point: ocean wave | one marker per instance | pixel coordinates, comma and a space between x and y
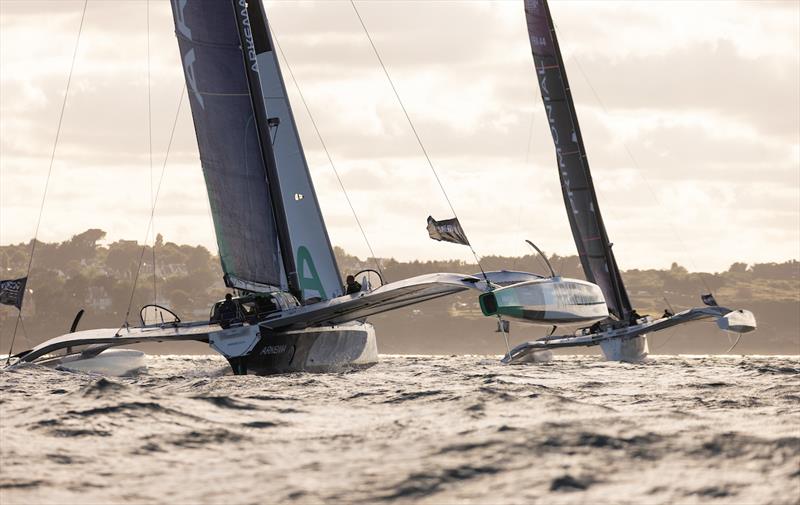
423, 484
420, 429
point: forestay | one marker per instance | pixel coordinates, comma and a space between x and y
580, 199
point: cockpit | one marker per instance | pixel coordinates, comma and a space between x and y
250, 308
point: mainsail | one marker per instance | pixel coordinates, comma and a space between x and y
580, 198
267, 219
230, 146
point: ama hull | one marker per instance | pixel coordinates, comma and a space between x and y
629, 349
258, 350
112, 362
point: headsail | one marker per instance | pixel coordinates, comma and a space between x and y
230, 146
588, 229
317, 271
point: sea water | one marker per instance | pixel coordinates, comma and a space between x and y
412, 429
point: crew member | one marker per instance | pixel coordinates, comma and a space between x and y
227, 311
352, 286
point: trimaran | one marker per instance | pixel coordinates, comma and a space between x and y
292, 313
622, 336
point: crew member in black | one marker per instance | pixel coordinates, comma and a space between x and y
227, 311
352, 286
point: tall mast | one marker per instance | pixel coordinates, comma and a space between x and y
580, 198
247, 36
318, 274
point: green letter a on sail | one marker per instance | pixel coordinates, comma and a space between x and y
307, 272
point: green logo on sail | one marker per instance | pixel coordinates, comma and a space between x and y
309, 278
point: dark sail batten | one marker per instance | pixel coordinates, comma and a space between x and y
577, 187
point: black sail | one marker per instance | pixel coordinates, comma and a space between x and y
580, 198
230, 143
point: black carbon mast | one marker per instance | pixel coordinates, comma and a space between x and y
583, 211
253, 36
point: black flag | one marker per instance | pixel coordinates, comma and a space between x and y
12, 291
448, 230
709, 300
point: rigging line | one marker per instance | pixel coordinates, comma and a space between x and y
414, 130
527, 159
150, 142
666, 341
639, 171
505, 337
50, 168
641, 175
734, 344
530, 137
328, 154
24, 331
153, 208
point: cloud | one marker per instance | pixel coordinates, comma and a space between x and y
703, 95
705, 77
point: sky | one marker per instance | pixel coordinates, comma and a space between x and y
690, 112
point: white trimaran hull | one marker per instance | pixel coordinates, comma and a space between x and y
113, 362
317, 349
